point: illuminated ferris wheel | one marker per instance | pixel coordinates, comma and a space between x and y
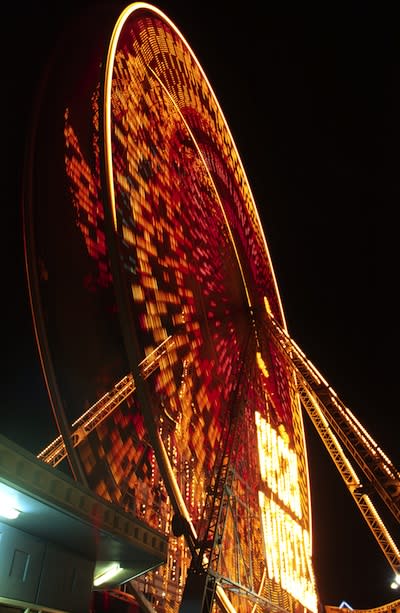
152, 289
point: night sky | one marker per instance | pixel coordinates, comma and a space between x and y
312, 100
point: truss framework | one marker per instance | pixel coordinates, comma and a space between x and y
340, 431
56, 451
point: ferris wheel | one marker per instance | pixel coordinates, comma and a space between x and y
152, 295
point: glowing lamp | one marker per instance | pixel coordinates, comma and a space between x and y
107, 574
395, 583
7, 508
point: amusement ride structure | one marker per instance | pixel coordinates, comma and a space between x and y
176, 388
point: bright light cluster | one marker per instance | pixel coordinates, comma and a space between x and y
278, 465
287, 542
287, 550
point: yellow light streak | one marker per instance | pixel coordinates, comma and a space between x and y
261, 365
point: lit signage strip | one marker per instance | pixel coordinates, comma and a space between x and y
287, 543
278, 465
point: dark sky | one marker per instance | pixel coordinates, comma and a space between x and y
312, 100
